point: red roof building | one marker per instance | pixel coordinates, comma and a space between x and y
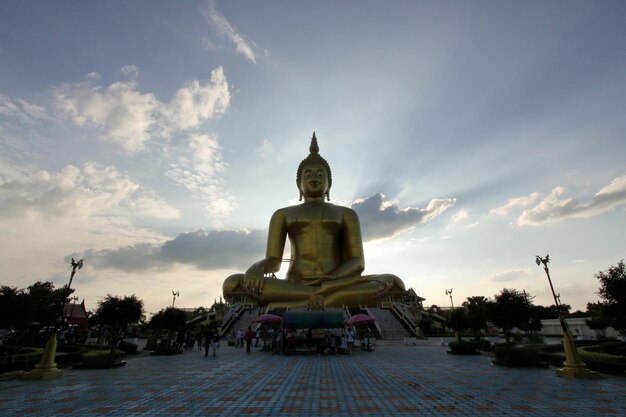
76, 314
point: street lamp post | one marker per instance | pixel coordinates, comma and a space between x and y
573, 367
450, 294
47, 367
457, 335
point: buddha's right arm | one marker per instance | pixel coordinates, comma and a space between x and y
276, 235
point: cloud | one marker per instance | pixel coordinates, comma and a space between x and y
266, 149
223, 28
123, 114
206, 250
197, 102
198, 170
510, 275
130, 72
131, 118
80, 193
460, 216
554, 207
461, 219
384, 219
516, 202
21, 111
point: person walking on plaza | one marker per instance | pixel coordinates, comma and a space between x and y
215, 342
291, 342
209, 337
249, 336
350, 341
343, 344
239, 339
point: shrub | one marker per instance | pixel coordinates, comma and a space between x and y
535, 338
601, 361
99, 357
463, 348
483, 344
517, 356
614, 348
552, 348
554, 359
127, 347
27, 355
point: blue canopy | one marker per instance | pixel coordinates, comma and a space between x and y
305, 319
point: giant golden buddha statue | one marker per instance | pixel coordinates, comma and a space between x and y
326, 251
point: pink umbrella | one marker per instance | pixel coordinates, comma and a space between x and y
268, 318
360, 319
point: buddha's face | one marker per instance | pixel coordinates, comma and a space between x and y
314, 181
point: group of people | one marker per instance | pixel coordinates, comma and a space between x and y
286, 340
322, 342
211, 340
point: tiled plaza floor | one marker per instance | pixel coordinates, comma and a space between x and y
394, 380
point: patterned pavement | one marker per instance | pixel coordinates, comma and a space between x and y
395, 380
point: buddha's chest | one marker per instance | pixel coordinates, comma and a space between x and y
314, 221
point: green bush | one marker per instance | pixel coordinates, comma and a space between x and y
517, 356
554, 359
601, 361
483, 344
463, 348
28, 354
552, 348
535, 338
100, 357
614, 348
127, 347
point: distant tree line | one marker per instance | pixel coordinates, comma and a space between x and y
41, 304
515, 309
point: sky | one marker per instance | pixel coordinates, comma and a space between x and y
154, 139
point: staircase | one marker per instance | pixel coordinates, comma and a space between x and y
244, 320
390, 326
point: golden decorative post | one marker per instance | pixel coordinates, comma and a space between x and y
573, 367
47, 367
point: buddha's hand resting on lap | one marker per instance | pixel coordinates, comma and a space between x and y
253, 278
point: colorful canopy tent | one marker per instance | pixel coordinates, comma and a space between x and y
360, 320
304, 319
268, 318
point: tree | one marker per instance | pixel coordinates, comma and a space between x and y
170, 319
600, 318
457, 320
47, 302
509, 309
118, 313
15, 311
476, 317
613, 292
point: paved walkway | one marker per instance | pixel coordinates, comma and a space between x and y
394, 380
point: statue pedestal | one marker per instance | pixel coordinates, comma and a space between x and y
46, 368
573, 367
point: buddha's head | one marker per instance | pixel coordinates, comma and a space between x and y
314, 166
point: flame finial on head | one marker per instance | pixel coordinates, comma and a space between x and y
314, 147
314, 158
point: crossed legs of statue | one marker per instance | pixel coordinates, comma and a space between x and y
349, 291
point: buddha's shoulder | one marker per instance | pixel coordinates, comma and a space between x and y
327, 207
